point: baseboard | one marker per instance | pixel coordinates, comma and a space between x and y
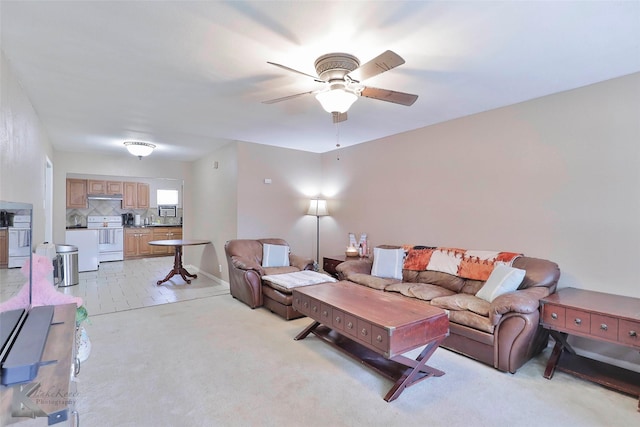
191, 268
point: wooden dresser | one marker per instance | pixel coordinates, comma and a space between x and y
598, 316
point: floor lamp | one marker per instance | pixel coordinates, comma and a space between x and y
318, 208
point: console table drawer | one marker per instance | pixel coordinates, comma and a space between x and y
301, 304
604, 327
628, 333
351, 325
364, 331
337, 320
553, 315
380, 338
325, 314
314, 308
578, 320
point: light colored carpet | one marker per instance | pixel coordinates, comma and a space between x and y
215, 362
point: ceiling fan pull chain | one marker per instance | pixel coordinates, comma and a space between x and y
337, 140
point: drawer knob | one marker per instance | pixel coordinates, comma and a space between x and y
338, 319
633, 334
364, 332
306, 304
325, 313
379, 338
604, 327
554, 316
315, 309
350, 325
578, 321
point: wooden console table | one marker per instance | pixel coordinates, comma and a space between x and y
598, 316
51, 394
375, 328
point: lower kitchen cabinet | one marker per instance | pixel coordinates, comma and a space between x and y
165, 233
136, 242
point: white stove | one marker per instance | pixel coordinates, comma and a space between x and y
110, 236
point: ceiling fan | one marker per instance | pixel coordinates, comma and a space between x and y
343, 75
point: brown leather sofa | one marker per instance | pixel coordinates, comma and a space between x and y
506, 338
244, 257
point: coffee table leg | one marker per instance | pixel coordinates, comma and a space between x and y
418, 366
306, 331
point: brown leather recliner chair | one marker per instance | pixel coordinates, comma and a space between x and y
244, 257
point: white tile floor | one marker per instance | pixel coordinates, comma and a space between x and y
126, 285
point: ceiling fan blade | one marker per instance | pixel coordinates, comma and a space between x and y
296, 71
389, 95
378, 65
339, 117
284, 98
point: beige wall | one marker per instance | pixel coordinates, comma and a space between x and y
213, 208
233, 201
557, 177
278, 209
24, 148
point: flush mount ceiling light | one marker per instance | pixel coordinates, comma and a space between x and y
336, 100
140, 149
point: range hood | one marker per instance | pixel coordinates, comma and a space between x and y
104, 196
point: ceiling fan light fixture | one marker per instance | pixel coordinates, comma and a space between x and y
138, 148
336, 100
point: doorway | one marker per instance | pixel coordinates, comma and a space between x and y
48, 200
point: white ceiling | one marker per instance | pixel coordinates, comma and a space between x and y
190, 76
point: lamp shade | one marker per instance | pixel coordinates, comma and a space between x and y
336, 100
318, 207
140, 149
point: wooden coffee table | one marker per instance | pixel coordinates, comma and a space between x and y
375, 328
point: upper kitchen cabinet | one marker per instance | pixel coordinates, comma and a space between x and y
135, 195
76, 193
104, 187
143, 195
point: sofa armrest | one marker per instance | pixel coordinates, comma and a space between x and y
244, 263
358, 266
300, 262
523, 301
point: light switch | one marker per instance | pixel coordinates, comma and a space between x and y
267, 180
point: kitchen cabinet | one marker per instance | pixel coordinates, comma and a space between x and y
165, 233
76, 193
135, 195
4, 251
104, 187
136, 242
143, 195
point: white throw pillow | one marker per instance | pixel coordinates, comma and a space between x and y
275, 255
387, 263
503, 279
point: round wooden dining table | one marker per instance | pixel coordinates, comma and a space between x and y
177, 261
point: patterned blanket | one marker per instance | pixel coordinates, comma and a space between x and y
469, 264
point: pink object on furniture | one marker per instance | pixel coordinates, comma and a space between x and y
43, 291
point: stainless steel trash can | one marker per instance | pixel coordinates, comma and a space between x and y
67, 268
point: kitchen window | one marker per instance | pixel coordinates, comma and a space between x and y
167, 197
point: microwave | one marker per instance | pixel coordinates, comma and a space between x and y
167, 211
